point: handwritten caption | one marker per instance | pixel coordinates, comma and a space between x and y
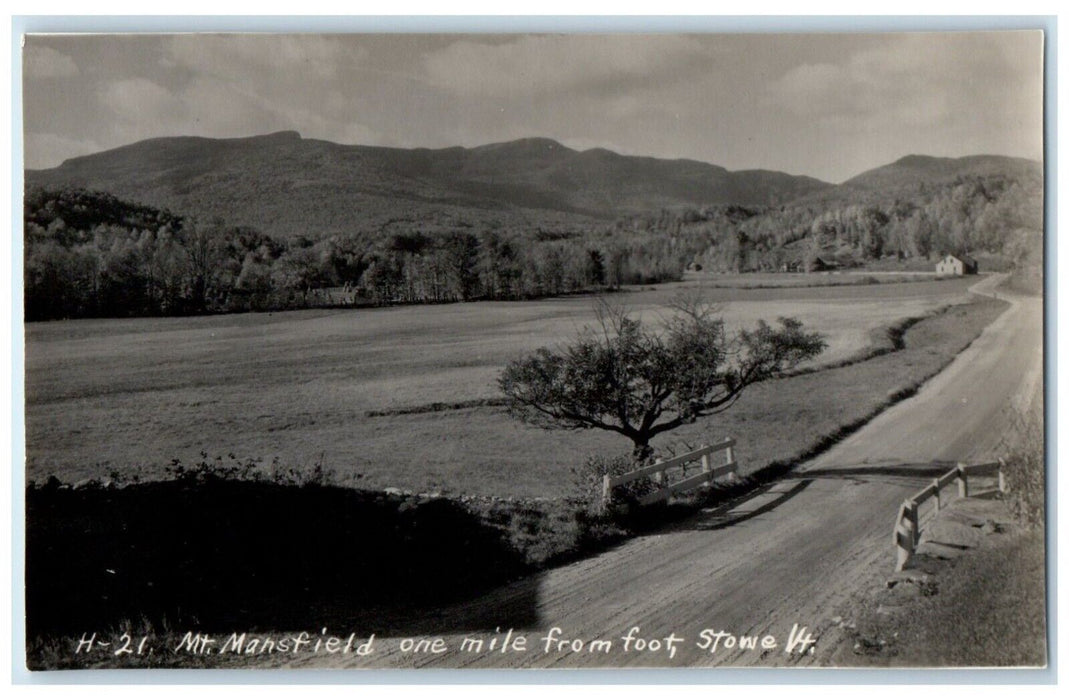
554, 641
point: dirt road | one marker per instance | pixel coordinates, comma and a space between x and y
790, 555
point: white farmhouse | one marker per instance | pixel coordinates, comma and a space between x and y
956, 265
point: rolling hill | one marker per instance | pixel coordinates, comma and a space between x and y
915, 168
908, 178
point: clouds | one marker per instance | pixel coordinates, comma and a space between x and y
133, 87
257, 57
42, 62
947, 94
47, 150
538, 64
270, 81
139, 99
216, 107
141, 108
859, 97
913, 81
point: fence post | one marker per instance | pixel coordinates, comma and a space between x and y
914, 522
705, 460
903, 538
1001, 475
963, 481
938, 501
606, 492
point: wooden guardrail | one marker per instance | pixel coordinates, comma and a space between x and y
660, 473
907, 532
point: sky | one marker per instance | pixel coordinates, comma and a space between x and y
825, 105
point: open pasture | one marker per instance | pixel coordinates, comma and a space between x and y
132, 394
855, 277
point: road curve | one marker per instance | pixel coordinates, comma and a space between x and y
793, 553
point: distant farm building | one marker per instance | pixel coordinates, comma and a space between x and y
957, 265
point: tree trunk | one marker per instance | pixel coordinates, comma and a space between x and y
642, 453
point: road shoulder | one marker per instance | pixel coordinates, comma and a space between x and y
974, 595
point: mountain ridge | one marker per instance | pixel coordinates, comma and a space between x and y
289, 185
282, 182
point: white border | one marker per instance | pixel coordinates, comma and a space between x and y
11, 432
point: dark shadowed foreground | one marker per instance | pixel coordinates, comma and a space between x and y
247, 555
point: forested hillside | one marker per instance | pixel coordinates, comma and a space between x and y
288, 186
998, 213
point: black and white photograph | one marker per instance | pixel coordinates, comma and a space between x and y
530, 350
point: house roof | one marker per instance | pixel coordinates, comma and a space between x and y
971, 262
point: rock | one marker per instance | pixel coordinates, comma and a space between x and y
869, 646
990, 527
906, 577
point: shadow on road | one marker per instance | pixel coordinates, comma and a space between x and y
930, 470
746, 507
770, 496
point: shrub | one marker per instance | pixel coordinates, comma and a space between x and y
589, 476
1025, 475
232, 468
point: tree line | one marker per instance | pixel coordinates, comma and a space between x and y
89, 254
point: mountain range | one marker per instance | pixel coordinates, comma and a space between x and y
287, 185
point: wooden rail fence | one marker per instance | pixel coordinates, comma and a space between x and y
660, 473
907, 532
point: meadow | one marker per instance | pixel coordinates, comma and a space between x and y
761, 280
295, 389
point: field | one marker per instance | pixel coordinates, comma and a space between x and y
295, 389
761, 280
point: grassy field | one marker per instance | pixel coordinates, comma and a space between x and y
859, 277
297, 387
